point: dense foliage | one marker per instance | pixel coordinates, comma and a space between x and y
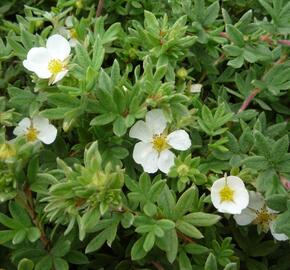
78, 187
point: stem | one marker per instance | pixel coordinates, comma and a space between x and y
157, 265
249, 99
100, 8
28, 204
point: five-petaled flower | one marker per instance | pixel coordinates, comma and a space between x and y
229, 195
37, 128
258, 213
153, 151
69, 31
49, 62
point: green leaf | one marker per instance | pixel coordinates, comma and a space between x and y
77, 257
201, 219
280, 148
103, 119
256, 162
119, 126
210, 263
32, 170
235, 35
137, 251
19, 214
188, 229
44, 264
97, 242
185, 202
61, 248
231, 266
184, 262
54, 113
60, 264
25, 264
196, 249
33, 234
112, 33
171, 243
149, 241
6, 235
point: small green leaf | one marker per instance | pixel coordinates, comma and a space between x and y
235, 35
188, 229
25, 264
210, 263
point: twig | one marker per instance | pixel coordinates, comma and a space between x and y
184, 237
100, 8
29, 206
157, 265
249, 99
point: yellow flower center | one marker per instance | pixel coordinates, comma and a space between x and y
73, 33
227, 194
264, 218
31, 134
160, 143
55, 66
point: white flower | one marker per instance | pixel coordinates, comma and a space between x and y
229, 195
153, 151
196, 88
36, 129
49, 62
258, 213
69, 32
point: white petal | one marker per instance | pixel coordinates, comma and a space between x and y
256, 201
277, 236
73, 42
156, 121
196, 88
179, 140
22, 127
58, 47
145, 155
229, 207
141, 131
59, 76
69, 21
37, 61
64, 32
166, 161
246, 217
47, 132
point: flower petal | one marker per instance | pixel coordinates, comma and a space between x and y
141, 131
47, 132
229, 207
166, 161
179, 140
58, 47
256, 201
59, 76
22, 127
277, 236
37, 61
145, 155
156, 121
246, 217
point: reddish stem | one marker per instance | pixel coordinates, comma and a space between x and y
249, 99
100, 8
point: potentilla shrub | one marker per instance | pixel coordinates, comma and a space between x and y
144, 135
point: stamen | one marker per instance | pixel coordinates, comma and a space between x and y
160, 143
55, 66
31, 134
227, 194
